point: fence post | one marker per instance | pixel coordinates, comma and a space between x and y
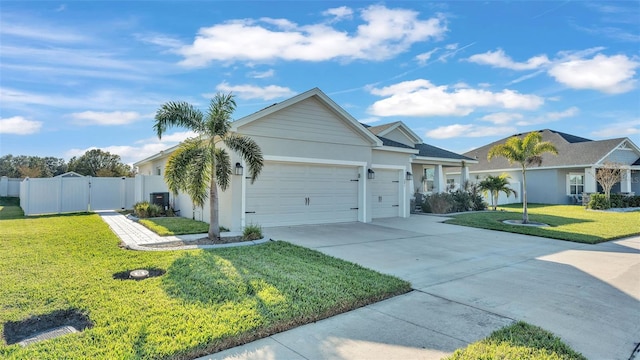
27, 198
89, 189
123, 193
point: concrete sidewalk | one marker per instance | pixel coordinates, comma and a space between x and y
467, 283
138, 237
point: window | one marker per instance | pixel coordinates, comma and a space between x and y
428, 180
158, 171
576, 184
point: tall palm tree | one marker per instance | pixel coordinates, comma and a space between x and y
525, 151
199, 166
494, 185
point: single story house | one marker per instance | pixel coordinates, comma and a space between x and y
321, 166
562, 179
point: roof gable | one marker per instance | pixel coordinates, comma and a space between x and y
312, 98
397, 131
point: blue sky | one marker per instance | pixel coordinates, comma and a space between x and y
78, 75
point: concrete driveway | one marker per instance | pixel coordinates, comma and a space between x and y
467, 282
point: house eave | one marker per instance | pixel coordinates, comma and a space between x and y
396, 149
457, 161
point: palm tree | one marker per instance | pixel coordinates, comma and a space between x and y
198, 166
494, 185
525, 151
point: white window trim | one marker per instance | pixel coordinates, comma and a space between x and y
568, 182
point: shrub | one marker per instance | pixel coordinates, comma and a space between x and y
598, 202
631, 201
426, 208
616, 200
252, 232
461, 201
440, 203
144, 209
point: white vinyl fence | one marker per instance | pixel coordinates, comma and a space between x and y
9, 186
75, 194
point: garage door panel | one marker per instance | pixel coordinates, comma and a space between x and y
292, 194
385, 194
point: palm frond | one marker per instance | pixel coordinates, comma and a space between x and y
180, 114
188, 170
223, 168
248, 150
219, 114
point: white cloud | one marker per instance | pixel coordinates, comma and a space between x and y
254, 92
105, 118
468, 130
262, 74
499, 59
608, 74
502, 118
339, 13
619, 129
384, 34
550, 117
18, 125
422, 98
424, 57
41, 32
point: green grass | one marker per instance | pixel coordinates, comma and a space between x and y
206, 301
175, 226
10, 208
567, 222
519, 341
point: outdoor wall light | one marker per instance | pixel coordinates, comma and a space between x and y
239, 169
409, 176
371, 174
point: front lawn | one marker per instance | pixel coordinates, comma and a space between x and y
165, 226
201, 302
516, 342
567, 222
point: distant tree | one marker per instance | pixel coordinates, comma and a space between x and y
30, 172
198, 166
608, 175
99, 163
493, 185
31, 166
525, 151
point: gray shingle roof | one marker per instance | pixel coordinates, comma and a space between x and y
572, 150
431, 151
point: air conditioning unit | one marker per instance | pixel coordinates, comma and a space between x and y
161, 199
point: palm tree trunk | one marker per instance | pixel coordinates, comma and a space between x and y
214, 223
495, 201
525, 213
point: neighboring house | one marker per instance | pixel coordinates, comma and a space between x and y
562, 179
321, 166
69, 174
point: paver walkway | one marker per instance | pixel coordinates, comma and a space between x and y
138, 237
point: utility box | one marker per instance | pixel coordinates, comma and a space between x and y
161, 199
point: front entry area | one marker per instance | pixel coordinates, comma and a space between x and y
299, 193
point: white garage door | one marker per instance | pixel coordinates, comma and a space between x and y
385, 189
294, 194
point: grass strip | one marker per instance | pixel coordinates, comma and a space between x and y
567, 222
520, 341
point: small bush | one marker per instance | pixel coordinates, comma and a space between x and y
252, 232
440, 203
144, 209
631, 201
426, 208
599, 202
